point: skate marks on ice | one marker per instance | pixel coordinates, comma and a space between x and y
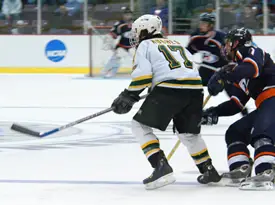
90, 134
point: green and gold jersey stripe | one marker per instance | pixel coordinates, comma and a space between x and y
188, 82
200, 155
141, 82
149, 143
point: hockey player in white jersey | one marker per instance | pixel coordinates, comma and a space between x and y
166, 68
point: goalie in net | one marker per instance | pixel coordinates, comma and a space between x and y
119, 42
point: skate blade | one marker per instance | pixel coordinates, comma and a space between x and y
161, 182
256, 186
227, 181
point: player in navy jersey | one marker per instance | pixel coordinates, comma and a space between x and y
121, 31
210, 44
254, 77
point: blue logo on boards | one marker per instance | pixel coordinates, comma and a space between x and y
55, 50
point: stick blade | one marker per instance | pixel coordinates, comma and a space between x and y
22, 129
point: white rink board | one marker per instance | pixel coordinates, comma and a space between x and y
29, 51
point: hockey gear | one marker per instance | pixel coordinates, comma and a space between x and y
209, 117
238, 38
145, 27
235, 40
176, 146
28, 131
124, 102
126, 10
208, 17
112, 66
161, 176
25, 130
210, 174
261, 182
215, 84
236, 176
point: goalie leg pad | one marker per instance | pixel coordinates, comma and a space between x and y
112, 66
195, 146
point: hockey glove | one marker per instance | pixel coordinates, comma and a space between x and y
124, 102
215, 84
209, 117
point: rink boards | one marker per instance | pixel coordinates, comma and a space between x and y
72, 54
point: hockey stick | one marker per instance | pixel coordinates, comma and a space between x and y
209, 67
176, 146
25, 130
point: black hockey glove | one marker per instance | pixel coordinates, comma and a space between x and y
209, 116
124, 102
215, 84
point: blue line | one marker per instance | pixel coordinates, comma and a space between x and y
85, 182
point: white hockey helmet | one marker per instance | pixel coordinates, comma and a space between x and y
145, 27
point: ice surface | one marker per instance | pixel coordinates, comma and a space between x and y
97, 162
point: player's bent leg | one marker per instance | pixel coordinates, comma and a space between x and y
264, 158
187, 125
262, 139
237, 138
199, 152
163, 172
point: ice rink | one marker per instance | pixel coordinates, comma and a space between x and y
97, 162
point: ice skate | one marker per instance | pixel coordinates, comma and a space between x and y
161, 176
262, 182
210, 174
236, 176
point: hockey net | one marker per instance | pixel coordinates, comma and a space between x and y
101, 52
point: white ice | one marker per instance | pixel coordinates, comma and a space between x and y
97, 162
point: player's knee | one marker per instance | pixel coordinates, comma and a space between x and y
139, 129
232, 135
189, 139
262, 140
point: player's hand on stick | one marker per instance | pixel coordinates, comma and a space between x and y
124, 102
209, 117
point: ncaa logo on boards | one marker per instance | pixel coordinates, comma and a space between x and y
55, 50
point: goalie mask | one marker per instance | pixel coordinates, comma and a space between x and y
145, 27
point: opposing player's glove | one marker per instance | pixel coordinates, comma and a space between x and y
215, 84
209, 117
124, 102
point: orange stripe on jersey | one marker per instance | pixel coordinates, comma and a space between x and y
264, 95
237, 101
264, 153
237, 85
237, 153
239, 55
249, 60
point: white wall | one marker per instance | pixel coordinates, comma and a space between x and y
28, 53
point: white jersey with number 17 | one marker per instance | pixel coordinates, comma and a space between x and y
165, 63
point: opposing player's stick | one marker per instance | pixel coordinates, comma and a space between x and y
25, 130
178, 142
